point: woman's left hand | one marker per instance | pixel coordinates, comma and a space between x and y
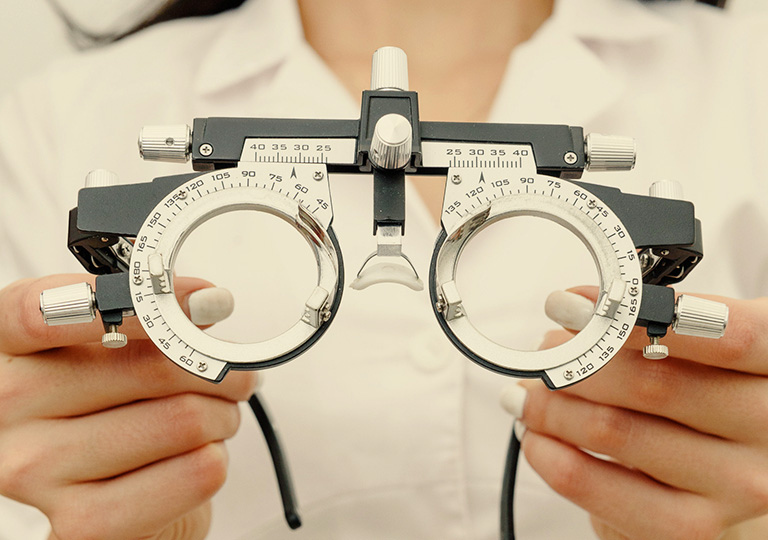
686, 437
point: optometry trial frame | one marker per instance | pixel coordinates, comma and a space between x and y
640, 244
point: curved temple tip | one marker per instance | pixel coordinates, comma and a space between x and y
284, 483
293, 519
387, 269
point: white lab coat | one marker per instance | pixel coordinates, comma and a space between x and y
389, 431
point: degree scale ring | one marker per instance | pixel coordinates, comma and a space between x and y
288, 191
594, 223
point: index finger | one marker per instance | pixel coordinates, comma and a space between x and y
23, 331
743, 347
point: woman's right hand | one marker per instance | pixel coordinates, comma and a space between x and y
110, 444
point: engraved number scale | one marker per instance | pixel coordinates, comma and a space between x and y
297, 193
476, 198
492, 172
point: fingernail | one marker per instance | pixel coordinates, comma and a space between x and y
513, 399
520, 429
211, 305
569, 310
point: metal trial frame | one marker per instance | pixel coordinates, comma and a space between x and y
664, 232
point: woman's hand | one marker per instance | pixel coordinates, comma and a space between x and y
109, 444
686, 437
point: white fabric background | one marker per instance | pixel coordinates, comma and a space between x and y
615, 96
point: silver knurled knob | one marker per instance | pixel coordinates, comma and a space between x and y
101, 178
655, 350
113, 339
700, 317
166, 143
389, 69
610, 152
391, 142
666, 189
70, 304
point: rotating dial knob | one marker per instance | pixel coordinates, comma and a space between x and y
112, 339
391, 142
700, 317
69, 304
165, 143
610, 152
101, 178
389, 70
666, 189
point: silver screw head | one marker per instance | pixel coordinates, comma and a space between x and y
456, 179
123, 250
570, 158
114, 340
319, 175
202, 366
568, 375
655, 351
138, 280
206, 149
182, 194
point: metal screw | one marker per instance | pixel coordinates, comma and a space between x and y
570, 158
206, 149
202, 366
592, 203
655, 350
456, 179
113, 339
568, 375
182, 194
634, 290
664, 252
138, 280
169, 141
123, 250
319, 175
104, 239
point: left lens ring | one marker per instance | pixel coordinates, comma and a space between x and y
256, 187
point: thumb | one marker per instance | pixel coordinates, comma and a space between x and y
208, 306
23, 331
571, 309
191, 526
605, 531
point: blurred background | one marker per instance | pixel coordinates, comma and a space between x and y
34, 36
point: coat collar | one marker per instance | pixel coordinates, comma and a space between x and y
554, 77
618, 21
252, 39
560, 76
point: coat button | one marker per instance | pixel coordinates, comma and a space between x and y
430, 353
